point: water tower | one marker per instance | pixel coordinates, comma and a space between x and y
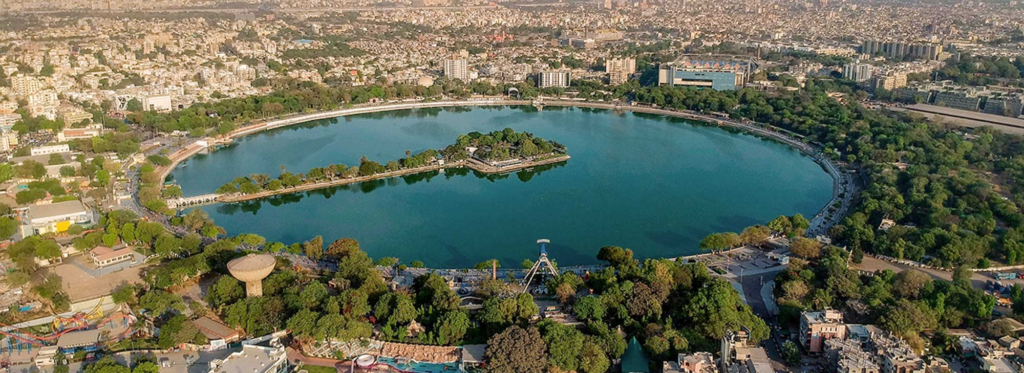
252, 269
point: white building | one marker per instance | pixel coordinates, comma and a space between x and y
56, 217
158, 103
559, 79
456, 69
253, 359
51, 149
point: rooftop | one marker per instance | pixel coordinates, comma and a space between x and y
252, 359
56, 210
214, 329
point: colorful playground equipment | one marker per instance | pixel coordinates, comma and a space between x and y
19, 340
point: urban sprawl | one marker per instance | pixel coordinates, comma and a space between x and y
914, 108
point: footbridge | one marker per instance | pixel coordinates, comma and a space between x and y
175, 203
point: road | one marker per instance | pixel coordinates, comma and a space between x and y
872, 264
752, 292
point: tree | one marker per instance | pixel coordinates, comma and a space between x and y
452, 327
395, 308
908, 284
781, 224
805, 247
6, 172
791, 353
30, 170
314, 248
564, 344
517, 350
134, 105
8, 227
226, 290
756, 235
714, 242
589, 308
342, 247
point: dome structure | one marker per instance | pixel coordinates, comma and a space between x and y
252, 269
425, 81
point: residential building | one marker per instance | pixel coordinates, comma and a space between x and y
56, 217
740, 356
818, 326
558, 79
8, 120
50, 149
456, 69
7, 107
891, 81
848, 356
23, 85
899, 50
103, 256
253, 359
857, 71
719, 75
698, 362
619, 69
895, 354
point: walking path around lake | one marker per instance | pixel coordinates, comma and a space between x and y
844, 188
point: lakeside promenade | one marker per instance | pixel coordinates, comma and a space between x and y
844, 188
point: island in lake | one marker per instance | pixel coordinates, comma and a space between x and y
495, 152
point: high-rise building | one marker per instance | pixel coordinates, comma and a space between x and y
899, 50
559, 79
619, 69
456, 69
857, 72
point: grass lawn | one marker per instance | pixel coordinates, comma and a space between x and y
316, 369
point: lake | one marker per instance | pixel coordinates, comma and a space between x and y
651, 183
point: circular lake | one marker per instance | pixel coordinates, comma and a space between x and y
651, 183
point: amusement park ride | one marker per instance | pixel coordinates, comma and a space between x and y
543, 266
16, 339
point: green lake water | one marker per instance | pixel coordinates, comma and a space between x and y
651, 183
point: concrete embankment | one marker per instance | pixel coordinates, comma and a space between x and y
768, 132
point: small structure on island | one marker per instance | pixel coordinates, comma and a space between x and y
542, 265
252, 269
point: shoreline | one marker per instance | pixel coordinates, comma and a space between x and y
839, 178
